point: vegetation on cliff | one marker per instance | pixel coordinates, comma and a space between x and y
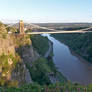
2, 28
40, 43
39, 71
58, 87
11, 63
3, 31
7, 64
11, 29
20, 40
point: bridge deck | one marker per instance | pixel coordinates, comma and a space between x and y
57, 32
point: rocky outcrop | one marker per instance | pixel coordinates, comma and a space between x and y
21, 74
28, 54
23, 46
15, 51
2, 29
7, 46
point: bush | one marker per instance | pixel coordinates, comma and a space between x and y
39, 71
6, 69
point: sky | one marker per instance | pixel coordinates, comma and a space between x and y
46, 11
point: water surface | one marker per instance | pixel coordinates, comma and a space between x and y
69, 65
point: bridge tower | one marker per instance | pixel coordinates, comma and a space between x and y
21, 27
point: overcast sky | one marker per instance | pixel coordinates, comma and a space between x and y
46, 10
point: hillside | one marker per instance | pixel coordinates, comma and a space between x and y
65, 26
79, 43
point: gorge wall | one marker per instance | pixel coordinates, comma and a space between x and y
15, 50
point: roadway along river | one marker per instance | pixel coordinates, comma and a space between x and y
69, 65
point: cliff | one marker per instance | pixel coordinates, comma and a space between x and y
15, 50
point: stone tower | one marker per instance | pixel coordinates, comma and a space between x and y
21, 27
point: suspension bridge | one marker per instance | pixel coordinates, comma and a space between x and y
51, 31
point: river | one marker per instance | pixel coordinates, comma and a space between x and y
70, 66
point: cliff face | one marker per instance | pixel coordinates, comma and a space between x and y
23, 47
2, 29
15, 50
6, 46
21, 74
6, 43
28, 54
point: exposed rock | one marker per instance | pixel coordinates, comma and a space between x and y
2, 29
0, 68
6, 46
25, 50
10, 62
28, 54
21, 74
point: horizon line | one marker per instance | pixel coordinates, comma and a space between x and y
29, 21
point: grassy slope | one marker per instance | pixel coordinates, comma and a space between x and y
40, 44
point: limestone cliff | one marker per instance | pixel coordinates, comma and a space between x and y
23, 47
15, 50
2, 29
7, 46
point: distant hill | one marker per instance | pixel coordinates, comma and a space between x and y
65, 26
